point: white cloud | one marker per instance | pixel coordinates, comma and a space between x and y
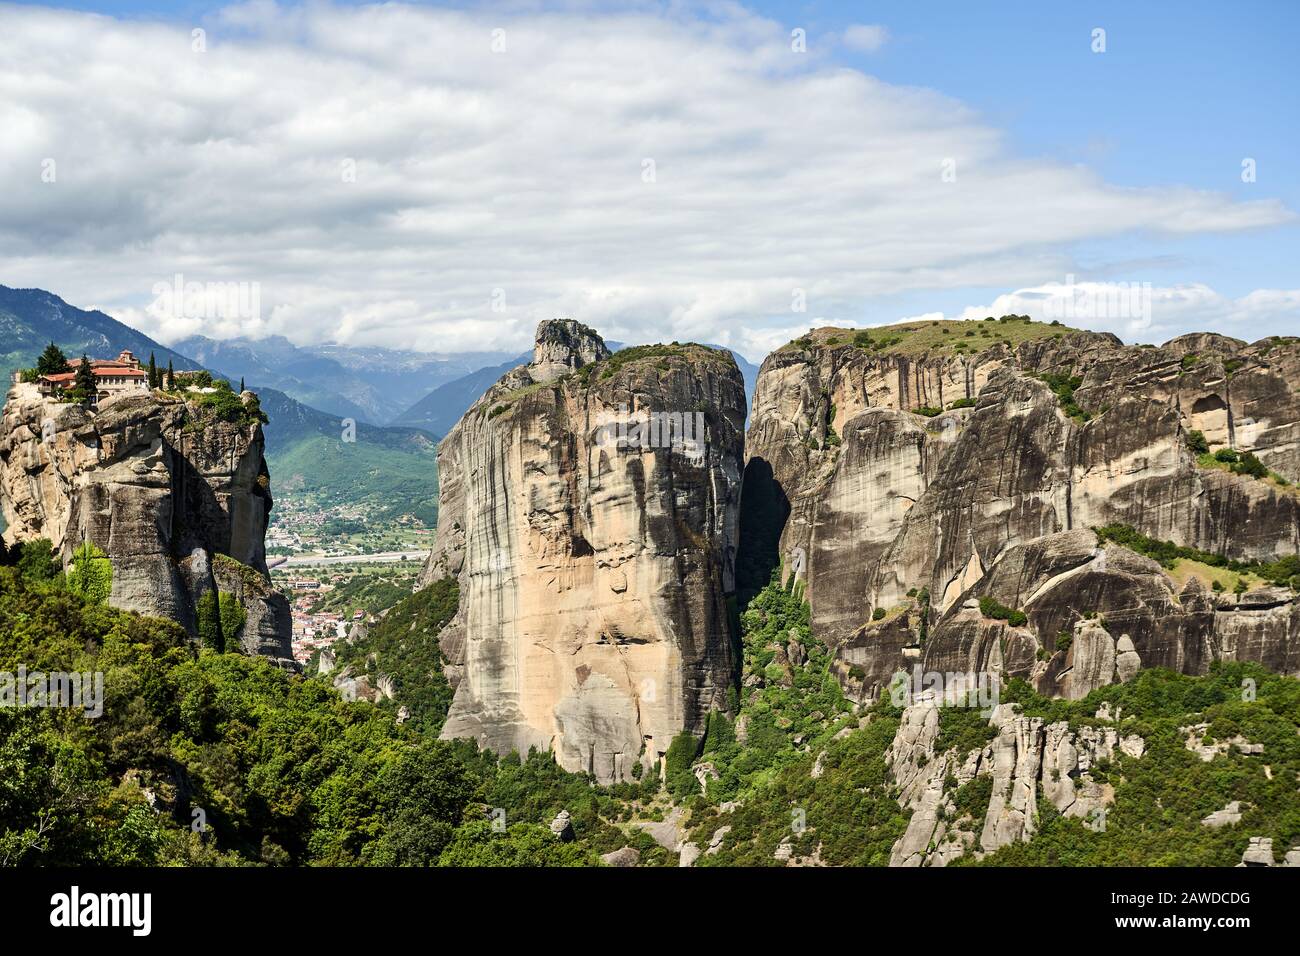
520, 170
865, 38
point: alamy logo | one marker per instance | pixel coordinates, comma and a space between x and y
1100, 300
950, 689
179, 299
681, 432
53, 689
73, 909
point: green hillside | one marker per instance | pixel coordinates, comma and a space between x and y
392, 481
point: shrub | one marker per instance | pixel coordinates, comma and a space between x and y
677, 765
91, 575
36, 561
990, 607
1063, 387
1196, 443
1252, 466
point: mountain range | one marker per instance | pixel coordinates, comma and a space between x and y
369, 384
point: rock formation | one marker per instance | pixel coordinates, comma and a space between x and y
907, 476
178, 500
589, 506
1023, 761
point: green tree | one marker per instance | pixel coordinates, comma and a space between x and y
422, 797
171, 377
52, 361
232, 617
677, 765
91, 574
84, 382
37, 561
153, 372
523, 844
207, 616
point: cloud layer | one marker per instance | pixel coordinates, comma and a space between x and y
444, 180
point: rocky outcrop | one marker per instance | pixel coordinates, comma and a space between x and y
178, 501
589, 506
1024, 760
914, 479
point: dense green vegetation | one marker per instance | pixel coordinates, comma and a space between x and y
204, 757
403, 645
371, 588
91, 575
1161, 797
1284, 571
222, 405
990, 607
764, 759
221, 759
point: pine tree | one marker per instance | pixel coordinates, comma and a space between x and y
153, 373
171, 377
84, 381
52, 361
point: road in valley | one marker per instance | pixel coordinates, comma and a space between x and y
307, 561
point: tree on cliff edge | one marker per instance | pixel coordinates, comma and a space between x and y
52, 361
153, 372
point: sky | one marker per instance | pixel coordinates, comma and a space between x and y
442, 178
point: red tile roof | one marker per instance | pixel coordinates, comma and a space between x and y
102, 368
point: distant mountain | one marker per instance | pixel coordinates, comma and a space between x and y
442, 408
32, 318
368, 384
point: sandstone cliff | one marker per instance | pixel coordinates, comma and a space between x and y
906, 471
589, 506
177, 499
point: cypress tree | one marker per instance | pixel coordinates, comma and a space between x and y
153, 372
171, 376
85, 377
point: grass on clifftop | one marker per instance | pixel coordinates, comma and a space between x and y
691, 351
942, 336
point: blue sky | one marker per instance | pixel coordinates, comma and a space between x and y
1182, 94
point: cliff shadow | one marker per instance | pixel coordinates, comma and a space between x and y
764, 509
199, 518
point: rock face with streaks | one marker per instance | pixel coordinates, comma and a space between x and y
178, 501
894, 472
589, 507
